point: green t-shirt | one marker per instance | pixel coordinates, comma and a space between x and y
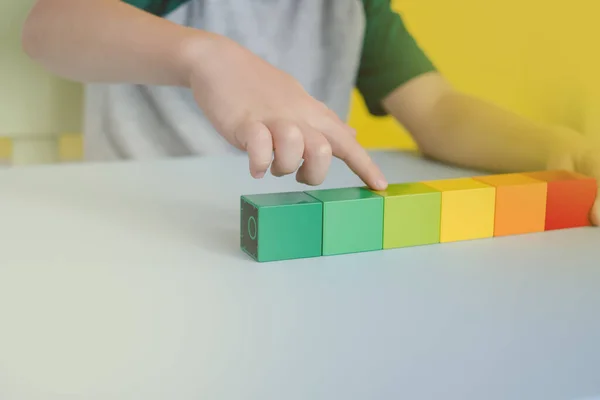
390, 55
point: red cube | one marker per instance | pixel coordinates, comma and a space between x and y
570, 198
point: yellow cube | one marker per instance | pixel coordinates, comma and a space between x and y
468, 209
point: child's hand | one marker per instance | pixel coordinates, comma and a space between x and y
584, 157
262, 110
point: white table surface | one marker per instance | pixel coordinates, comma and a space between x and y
126, 281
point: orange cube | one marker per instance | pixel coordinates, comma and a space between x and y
520, 203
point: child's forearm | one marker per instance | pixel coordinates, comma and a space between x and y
110, 41
481, 135
459, 129
477, 134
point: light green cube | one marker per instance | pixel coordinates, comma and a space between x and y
412, 215
352, 220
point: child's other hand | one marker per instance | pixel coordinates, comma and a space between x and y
264, 111
582, 157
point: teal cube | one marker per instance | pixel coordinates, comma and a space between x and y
352, 220
281, 226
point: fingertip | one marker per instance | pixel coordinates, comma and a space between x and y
258, 165
258, 168
302, 181
377, 178
301, 177
381, 184
259, 146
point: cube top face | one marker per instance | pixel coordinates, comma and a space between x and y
556, 176
508, 180
406, 189
279, 199
448, 185
343, 194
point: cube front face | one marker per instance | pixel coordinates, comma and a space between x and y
569, 200
467, 215
352, 226
520, 209
290, 231
520, 203
281, 227
468, 209
352, 220
412, 220
570, 203
412, 214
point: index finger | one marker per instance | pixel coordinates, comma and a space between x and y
345, 147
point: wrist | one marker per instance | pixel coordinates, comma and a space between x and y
194, 53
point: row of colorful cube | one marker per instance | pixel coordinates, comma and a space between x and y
282, 226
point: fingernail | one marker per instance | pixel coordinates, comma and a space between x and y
259, 175
381, 184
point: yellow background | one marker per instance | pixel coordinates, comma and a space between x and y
537, 58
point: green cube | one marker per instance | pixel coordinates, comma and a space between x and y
412, 215
281, 226
352, 220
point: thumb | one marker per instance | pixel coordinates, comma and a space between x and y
588, 163
595, 216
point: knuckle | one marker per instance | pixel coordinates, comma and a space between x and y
260, 136
287, 131
321, 106
321, 149
257, 135
293, 132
